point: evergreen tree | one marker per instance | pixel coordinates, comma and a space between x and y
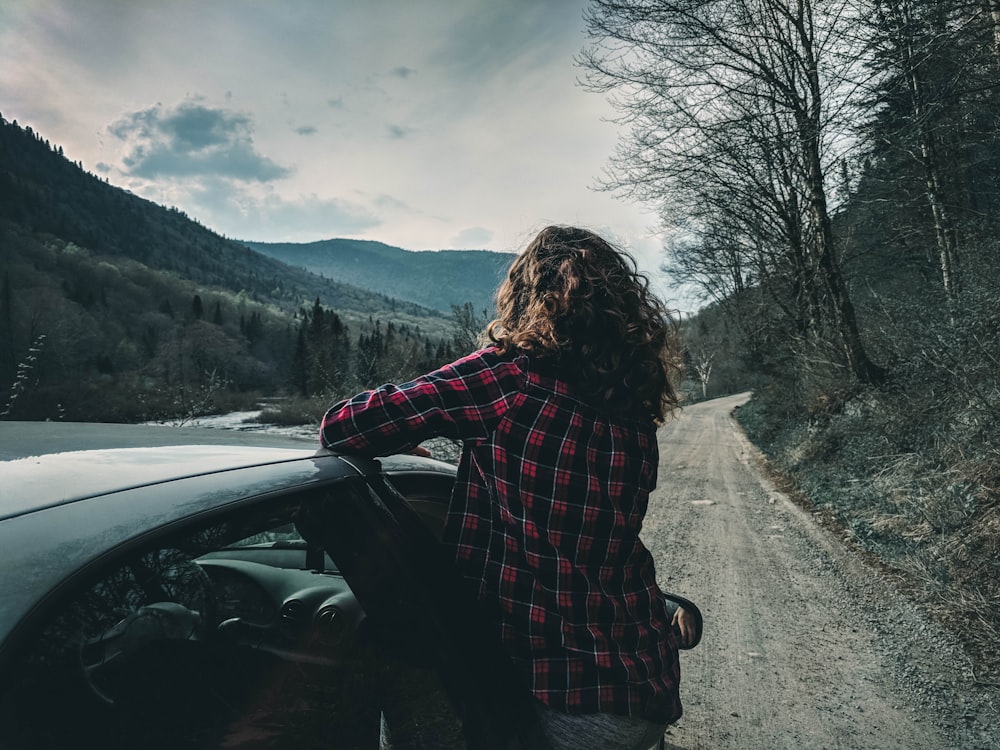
300, 364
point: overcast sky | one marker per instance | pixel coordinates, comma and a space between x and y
426, 124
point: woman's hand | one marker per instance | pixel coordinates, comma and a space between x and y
685, 622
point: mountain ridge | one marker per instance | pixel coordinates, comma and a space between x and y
439, 279
43, 191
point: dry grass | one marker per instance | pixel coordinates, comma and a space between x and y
934, 530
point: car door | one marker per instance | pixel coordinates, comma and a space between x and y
420, 610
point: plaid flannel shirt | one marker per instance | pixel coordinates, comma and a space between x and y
545, 519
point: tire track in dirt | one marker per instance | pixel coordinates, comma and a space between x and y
805, 645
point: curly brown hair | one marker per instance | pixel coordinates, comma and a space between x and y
573, 298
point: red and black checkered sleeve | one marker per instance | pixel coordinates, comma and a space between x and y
464, 400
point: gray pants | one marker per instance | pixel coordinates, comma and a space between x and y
605, 731
416, 715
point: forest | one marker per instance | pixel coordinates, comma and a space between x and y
826, 175
115, 309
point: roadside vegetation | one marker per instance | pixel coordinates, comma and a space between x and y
828, 176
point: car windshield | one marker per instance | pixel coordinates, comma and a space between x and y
276, 544
283, 537
280, 546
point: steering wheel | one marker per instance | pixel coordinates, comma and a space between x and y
106, 658
108, 661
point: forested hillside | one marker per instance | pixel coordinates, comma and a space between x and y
114, 308
830, 175
438, 279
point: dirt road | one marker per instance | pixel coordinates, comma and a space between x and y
805, 645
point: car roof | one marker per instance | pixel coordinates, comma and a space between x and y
63, 506
25, 439
43, 464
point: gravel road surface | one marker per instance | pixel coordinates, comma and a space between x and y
806, 646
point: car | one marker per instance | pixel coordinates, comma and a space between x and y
173, 587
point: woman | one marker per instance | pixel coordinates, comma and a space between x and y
557, 418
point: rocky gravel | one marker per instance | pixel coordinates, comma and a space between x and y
807, 645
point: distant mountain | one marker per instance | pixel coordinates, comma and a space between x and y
43, 191
437, 279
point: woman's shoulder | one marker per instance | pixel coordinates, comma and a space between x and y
491, 363
490, 356
552, 379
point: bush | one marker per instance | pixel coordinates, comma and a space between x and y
293, 412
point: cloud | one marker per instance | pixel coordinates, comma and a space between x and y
472, 238
391, 203
191, 140
486, 41
306, 130
398, 132
253, 213
402, 72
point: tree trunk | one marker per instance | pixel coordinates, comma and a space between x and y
944, 229
993, 10
844, 319
810, 126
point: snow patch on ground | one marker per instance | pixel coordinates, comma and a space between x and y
245, 421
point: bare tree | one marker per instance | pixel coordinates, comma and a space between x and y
906, 45
468, 327
731, 109
25, 375
992, 9
701, 360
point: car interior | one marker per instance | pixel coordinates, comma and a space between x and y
240, 631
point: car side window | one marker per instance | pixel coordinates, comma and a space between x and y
428, 495
234, 633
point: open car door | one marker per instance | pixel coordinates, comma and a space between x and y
419, 610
